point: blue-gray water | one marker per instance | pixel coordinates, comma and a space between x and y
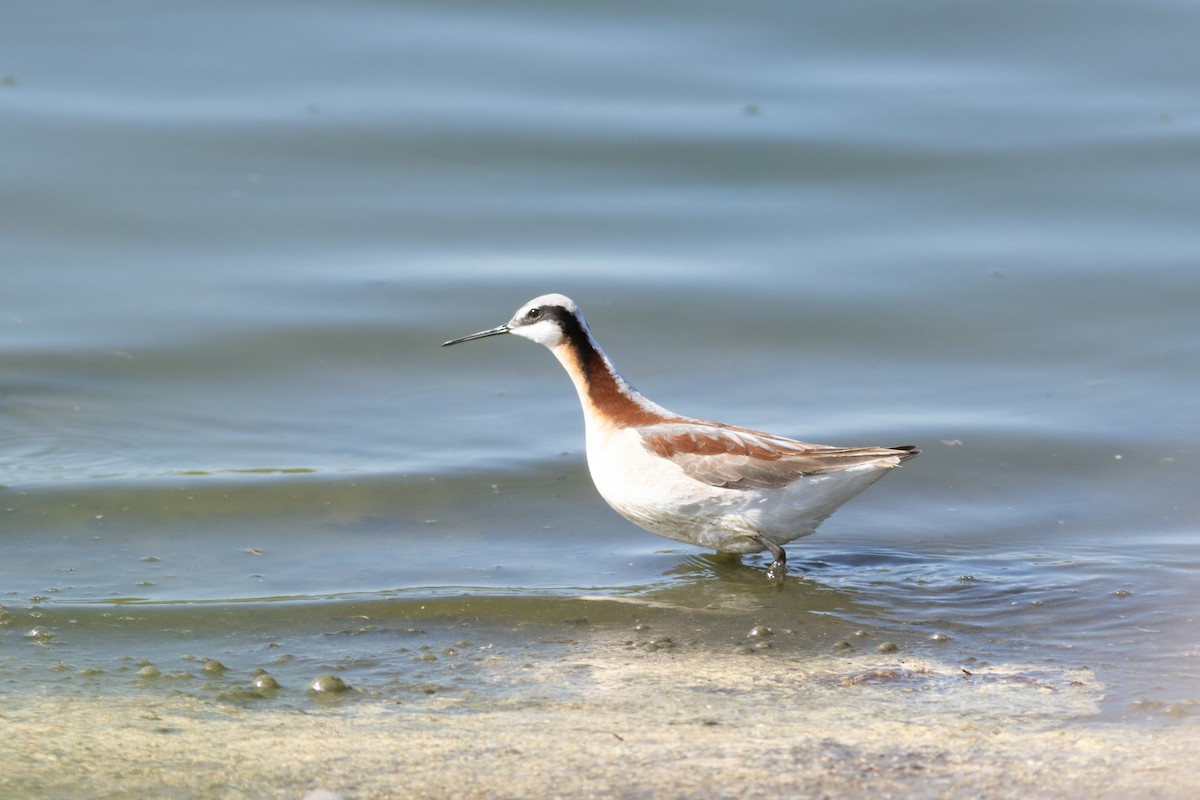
233, 235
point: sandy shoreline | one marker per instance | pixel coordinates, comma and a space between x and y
610, 722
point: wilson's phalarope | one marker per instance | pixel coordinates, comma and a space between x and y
730, 489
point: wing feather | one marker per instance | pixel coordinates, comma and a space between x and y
740, 458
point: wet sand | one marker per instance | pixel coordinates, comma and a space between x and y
604, 719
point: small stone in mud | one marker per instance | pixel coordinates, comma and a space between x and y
842, 645
328, 684
214, 668
759, 631
661, 640
887, 647
149, 672
39, 633
940, 637
266, 683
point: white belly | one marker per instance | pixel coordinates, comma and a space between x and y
655, 494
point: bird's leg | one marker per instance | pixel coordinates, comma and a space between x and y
778, 567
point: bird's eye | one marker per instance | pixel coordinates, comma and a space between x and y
534, 313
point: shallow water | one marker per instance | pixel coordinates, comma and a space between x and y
234, 236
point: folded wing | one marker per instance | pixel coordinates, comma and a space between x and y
739, 458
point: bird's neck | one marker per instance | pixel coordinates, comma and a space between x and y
607, 398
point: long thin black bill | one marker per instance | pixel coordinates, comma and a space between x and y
480, 335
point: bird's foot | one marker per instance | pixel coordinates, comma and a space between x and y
778, 568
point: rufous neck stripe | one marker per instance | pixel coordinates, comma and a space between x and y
601, 386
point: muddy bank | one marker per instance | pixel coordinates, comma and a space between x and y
606, 720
